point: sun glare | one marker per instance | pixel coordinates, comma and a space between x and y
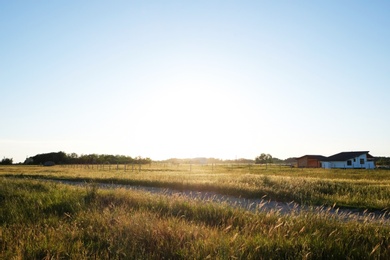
195, 120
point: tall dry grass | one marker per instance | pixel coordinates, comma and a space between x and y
40, 220
364, 189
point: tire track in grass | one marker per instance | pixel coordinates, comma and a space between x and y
254, 205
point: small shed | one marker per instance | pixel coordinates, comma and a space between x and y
310, 161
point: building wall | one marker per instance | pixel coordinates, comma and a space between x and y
355, 163
326, 165
313, 163
302, 162
307, 162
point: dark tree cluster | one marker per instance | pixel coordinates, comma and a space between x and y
57, 158
264, 158
6, 161
73, 158
382, 161
267, 158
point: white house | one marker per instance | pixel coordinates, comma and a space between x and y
349, 160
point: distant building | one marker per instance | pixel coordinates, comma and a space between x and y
310, 161
349, 160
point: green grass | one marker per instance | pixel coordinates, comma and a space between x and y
41, 220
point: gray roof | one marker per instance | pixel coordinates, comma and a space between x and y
317, 157
344, 156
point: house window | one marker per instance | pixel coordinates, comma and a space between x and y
361, 161
349, 162
354, 159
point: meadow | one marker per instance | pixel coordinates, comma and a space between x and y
50, 220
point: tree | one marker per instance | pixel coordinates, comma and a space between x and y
263, 159
6, 161
383, 161
57, 158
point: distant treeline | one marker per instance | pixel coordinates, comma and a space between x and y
204, 160
383, 161
73, 158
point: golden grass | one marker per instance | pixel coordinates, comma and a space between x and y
365, 189
41, 220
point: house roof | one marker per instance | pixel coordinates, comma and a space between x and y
317, 157
344, 156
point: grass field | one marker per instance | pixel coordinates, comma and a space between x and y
44, 220
365, 189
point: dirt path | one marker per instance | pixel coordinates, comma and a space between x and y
254, 205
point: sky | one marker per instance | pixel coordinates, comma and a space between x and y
181, 79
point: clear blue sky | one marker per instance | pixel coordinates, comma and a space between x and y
222, 79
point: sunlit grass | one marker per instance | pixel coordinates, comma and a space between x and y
41, 220
365, 189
